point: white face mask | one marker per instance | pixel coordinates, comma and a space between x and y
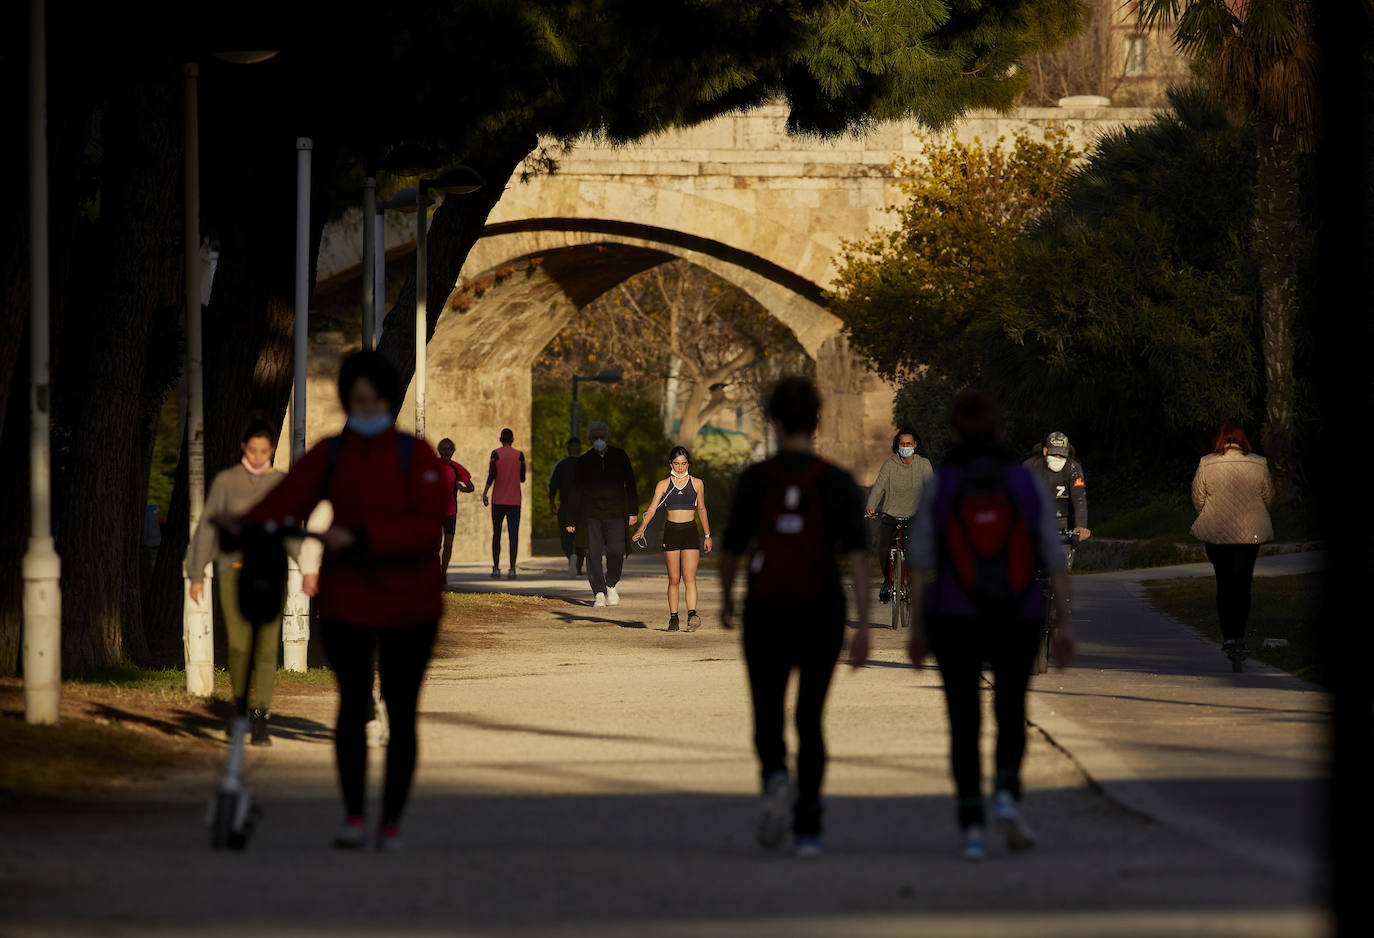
1055, 462
599, 445
906, 452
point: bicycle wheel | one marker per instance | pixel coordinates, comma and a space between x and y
895, 571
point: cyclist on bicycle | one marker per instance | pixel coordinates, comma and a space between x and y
1057, 468
897, 491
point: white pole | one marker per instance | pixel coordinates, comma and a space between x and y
42, 568
303, 147
197, 618
369, 266
378, 277
295, 627
421, 303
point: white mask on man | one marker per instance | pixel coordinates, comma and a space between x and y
1055, 462
599, 445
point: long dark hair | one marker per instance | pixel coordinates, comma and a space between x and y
677, 451
908, 431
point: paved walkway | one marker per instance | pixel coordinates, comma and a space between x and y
586, 773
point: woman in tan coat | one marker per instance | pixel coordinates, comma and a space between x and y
1231, 491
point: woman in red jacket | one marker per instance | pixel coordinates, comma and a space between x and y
379, 588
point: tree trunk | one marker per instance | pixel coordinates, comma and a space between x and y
1277, 227
454, 229
108, 337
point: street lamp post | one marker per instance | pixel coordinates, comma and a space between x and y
456, 180
295, 626
605, 376
369, 266
42, 567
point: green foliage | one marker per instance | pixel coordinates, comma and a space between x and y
909, 296
635, 427
1133, 304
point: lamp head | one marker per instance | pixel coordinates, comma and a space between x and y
456, 180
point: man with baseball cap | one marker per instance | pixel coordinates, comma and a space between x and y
1057, 468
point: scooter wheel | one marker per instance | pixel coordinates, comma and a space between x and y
222, 826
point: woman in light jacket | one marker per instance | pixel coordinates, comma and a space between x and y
1231, 491
897, 492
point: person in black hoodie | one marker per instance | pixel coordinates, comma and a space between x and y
604, 499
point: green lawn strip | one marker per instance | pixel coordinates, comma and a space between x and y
1281, 607
171, 682
1169, 518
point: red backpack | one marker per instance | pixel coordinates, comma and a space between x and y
792, 559
988, 542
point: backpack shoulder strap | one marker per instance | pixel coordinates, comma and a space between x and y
405, 452
332, 448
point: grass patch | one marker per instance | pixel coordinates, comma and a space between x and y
170, 683
1280, 607
1170, 517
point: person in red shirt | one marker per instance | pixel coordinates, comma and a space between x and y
456, 479
379, 589
506, 474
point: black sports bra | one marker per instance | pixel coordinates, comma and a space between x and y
681, 499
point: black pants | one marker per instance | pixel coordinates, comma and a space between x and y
1235, 568
446, 545
961, 644
776, 640
402, 653
568, 541
511, 514
605, 535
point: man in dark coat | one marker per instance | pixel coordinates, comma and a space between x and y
603, 501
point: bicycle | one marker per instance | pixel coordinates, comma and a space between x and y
896, 572
1041, 664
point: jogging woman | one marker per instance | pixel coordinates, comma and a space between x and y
233, 491
379, 587
684, 498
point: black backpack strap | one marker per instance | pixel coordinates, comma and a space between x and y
405, 452
332, 447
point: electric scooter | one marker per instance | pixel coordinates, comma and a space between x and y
262, 585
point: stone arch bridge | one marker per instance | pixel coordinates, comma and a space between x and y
735, 196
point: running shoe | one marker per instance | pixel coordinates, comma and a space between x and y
496, 573
693, 620
600, 600
1009, 821
353, 834
389, 839
510, 574
885, 594
807, 846
672, 622
777, 810
612, 597
974, 848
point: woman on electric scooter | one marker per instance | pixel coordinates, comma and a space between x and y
233, 491
684, 499
379, 587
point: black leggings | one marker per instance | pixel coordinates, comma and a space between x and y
402, 653
1235, 568
776, 640
511, 514
961, 645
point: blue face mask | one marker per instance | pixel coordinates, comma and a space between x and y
370, 425
906, 452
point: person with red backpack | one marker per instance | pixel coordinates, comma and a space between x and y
984, 527
794, 515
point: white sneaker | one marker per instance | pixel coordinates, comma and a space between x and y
973, 843
1009, 822
612, 597
600, 600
